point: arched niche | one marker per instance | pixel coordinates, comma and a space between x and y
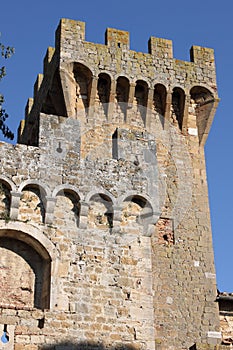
178, 101
159, 106
136, 213
26, 271
202, 101
159, 99
54, 102
103, 91
67, 209
32, 204
83, 78
122, 96
140, 98
5, 199
100, 214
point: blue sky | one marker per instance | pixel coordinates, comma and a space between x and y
30, 27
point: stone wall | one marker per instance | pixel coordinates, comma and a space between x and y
104, 203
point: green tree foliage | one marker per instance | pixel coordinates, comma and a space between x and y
6, 52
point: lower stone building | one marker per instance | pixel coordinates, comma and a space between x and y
105, 237
225, 301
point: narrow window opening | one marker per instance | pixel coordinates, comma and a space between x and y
122, 95
141, 96
83, 78
103, 90
128, 296
178, 106
41, 323
119, 45
114, 145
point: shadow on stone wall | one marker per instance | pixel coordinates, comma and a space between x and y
85, 346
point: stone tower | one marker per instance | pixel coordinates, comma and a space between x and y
105, 230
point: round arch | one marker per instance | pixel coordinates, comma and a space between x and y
67, 188
99, 191
32, 236
29, 257
36, 184
8, 183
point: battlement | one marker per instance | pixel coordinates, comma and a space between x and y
159, 47
69, 30
117, 38
81, 77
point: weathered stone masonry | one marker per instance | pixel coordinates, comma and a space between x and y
105, 229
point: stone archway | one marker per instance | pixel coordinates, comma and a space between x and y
25, 275
25, 267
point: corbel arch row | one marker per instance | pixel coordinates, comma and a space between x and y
80, 203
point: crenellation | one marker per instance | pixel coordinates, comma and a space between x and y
161, 48
117, 38
37, 85
28, 107
48, 58
202, 56
69, 30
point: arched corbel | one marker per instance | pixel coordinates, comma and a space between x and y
111, 99
14, 209
49, 212
167, 109
130, 101
84, 208
149, 108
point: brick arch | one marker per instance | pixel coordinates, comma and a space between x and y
26, 257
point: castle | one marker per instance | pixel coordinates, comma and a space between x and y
105, 229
